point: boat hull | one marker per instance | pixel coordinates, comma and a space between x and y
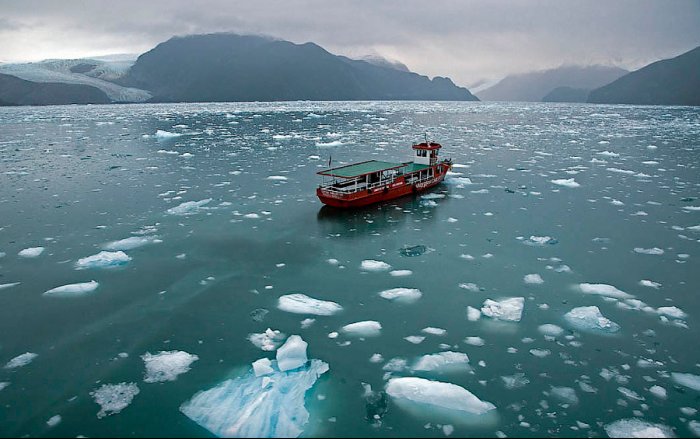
393, 190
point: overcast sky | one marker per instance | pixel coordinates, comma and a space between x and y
469, 41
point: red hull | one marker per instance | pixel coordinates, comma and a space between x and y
395, 189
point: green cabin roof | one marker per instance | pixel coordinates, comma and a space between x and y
364, 168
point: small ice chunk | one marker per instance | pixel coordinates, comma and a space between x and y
694, 427
306, 323
510, 310
372, 265
292, 354
10, 285
376, 358
103, 260
400, 273
636, 428
434, 331
475, 341
131, 243
113, 398
540, 240
469, 286
687, 380
166, 365
533, 279
73, 290
473, 314
54, 421
540, 353
436, 393
3, 384
165, 135
31, 252
550, 330
402, 295
188, 207
604, 290
21, 360
658, 391
303, 304
368, 328
268, 340
515, 381
565, 394
649, 251
415, 339
442, 362
277, 178
250, 406
649, 283
262, 367
590, 318
566, 182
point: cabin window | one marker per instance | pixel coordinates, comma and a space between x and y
422, 153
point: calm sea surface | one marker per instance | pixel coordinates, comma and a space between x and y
568, 194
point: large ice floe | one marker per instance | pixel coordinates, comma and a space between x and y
269, 405
636, 428
131, 243
436, 394
73, 290
589, 318
21, 360
31, 252
103, 260
303, 304
510, 310
687, 380
188, 207
113, 398
604, 290
368, 328
166, 365
402, 295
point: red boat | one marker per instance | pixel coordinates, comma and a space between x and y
374, 181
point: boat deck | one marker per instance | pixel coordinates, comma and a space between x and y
369, 167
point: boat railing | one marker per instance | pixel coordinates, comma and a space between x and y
352, 188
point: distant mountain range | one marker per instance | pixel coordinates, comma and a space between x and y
535, 86
674, 81
228, 67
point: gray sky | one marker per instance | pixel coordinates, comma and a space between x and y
469, 41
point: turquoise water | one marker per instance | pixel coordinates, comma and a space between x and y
625, 209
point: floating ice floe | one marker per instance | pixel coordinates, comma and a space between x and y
533, 279
515, 381
649, 251
469, 286
589, 318
565, 394
658, 392
694, 427
672, 311
21, 360
73, 290
473, 314
636, 428
262, 367
442, 362
329, 144
510, 310
167, 365
113, 398
550, 330
103, 259
567, 182
188, 207
540, 240
687, 380
271, 405
31, 252
372, 265
303, 304
459, 181
415, 339
277, 178
400, 273
165, 135
649, 283
368, 328
604, 290
131, 243
292, 354
268, 340
10, 285
402, 295
434, 331
54, 421
437, 394
475, 341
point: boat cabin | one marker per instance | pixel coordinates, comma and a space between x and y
426, 153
